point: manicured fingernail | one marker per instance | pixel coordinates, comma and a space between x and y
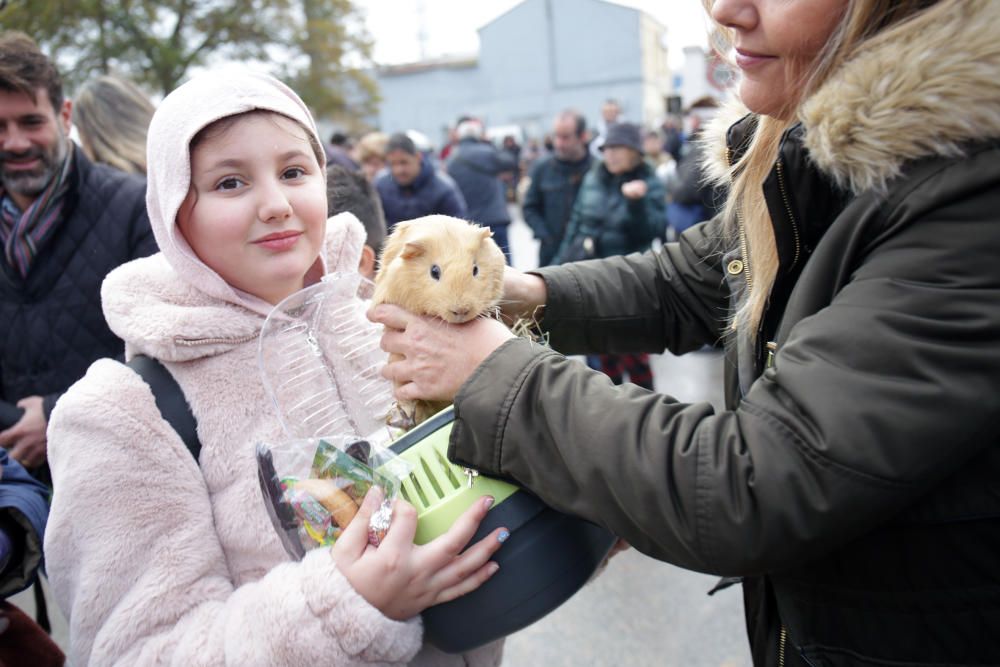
504, 534
494, 566
488, 501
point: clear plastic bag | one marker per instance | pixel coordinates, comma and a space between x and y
313, 488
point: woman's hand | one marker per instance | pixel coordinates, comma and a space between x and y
401, 579
430, 359
523, 295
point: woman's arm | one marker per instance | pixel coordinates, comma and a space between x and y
872, 401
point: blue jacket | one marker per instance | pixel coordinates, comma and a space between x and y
24, 509
428, 194
475, 166
549, 201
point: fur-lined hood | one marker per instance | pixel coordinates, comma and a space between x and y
927, 93
148, 303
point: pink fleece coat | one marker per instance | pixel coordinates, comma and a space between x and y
158, 560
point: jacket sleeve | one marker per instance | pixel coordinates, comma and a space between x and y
453, 203
675, 298
647, 215
533, 207
24, 509
872, 401
503, 161
137, 567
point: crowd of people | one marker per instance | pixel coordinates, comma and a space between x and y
832, 232
585, 193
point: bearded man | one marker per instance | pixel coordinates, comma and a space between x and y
64, 224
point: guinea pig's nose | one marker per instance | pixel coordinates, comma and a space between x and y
460, 313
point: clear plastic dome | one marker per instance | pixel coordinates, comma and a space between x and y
320, 361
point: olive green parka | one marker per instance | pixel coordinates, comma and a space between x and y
852, 480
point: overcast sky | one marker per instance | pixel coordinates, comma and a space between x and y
450, 25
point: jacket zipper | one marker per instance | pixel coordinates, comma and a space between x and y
192, 342
744, 245
788, 209
782, 640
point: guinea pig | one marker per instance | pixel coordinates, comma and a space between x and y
443, 267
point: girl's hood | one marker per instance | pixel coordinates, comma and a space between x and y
182, 114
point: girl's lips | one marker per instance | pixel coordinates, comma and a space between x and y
748, 59
279, 240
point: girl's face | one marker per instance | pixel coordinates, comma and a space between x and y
776, 42
256, 210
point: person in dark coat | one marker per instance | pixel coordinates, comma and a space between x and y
850, 483
476, 165
619, 210
64, 223
412, 188
338, 151
555, 181
24, 510
691, 196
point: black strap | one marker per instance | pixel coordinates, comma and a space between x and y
169, 399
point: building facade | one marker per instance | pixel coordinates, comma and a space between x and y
540, 57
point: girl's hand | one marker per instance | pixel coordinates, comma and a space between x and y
401, 579
429, 358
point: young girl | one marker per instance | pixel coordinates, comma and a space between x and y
156, 558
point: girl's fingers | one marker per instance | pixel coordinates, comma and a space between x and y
449, 545
354, 538
402, 528
468, 584
472, 560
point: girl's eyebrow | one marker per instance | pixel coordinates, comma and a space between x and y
235, 163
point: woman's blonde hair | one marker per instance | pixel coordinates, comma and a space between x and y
112, 116
863, 24
372, 145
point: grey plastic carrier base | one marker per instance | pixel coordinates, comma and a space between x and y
548, 557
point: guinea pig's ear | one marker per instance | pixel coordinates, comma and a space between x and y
413, 249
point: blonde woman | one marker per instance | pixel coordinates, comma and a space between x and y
852, 275
111, 116
369, 152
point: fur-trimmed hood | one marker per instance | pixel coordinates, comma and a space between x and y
929, 92
149, 304
187, 110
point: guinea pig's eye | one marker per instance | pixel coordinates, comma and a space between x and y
475, 270
435, 272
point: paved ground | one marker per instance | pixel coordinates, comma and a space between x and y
639, 612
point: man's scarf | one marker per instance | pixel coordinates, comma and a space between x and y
25, 234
